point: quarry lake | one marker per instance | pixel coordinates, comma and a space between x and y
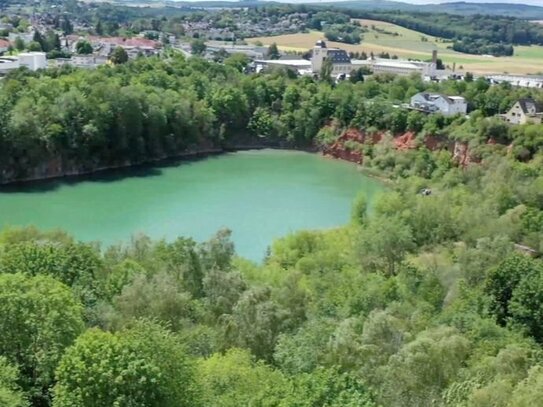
259, 194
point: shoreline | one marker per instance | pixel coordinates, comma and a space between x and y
75, 174
151, 163
368, 172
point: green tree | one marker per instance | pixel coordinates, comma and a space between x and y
359, 211
237, 61
530, 391
235, 379
39, 319
34, 46
99, 29
502, 281
422, 369
157, 298
255, 323
526, 306
66, 25
141, 366
52, 41
38, 38
273, 52
119, 56
19, 44
326, 70
10, 392
306, 349
217, 252
222, 290
83, 47
385, 242
357, 75
198, 46
328, 387
76, 265
262, 122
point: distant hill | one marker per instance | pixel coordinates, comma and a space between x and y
502, 9
499, 9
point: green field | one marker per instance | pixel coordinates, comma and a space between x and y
405, 43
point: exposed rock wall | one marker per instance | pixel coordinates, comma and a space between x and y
349, 146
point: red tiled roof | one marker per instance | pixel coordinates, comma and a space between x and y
127, 42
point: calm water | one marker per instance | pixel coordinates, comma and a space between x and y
259, 195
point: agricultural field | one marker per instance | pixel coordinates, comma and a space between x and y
405, 43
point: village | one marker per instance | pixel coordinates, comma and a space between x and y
52, 38
84, 35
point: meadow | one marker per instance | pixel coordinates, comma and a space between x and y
405, 43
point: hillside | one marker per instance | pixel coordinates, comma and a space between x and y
406, 43
463, 8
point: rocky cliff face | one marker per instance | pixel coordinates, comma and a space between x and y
349, 146
56, 167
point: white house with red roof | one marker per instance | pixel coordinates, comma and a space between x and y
4, 45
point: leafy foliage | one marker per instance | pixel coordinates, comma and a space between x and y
39, 318
141, 366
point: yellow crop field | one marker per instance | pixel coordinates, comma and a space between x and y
405, 43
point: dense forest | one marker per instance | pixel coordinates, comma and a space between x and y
336, 27
509, 9
67, 120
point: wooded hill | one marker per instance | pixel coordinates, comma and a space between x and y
522, 11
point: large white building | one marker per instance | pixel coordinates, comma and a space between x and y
341, 63
340, 60
437, 103
398, 67
524, 81
33, 60
30, 60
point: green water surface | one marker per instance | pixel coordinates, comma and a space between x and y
260, 195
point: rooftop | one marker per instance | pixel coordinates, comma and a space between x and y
338, 56
530, 106
286, 62
432, 97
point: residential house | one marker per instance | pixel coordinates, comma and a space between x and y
523, 112
438, 103
26, 37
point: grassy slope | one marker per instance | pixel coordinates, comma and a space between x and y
408, 44
463, 8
